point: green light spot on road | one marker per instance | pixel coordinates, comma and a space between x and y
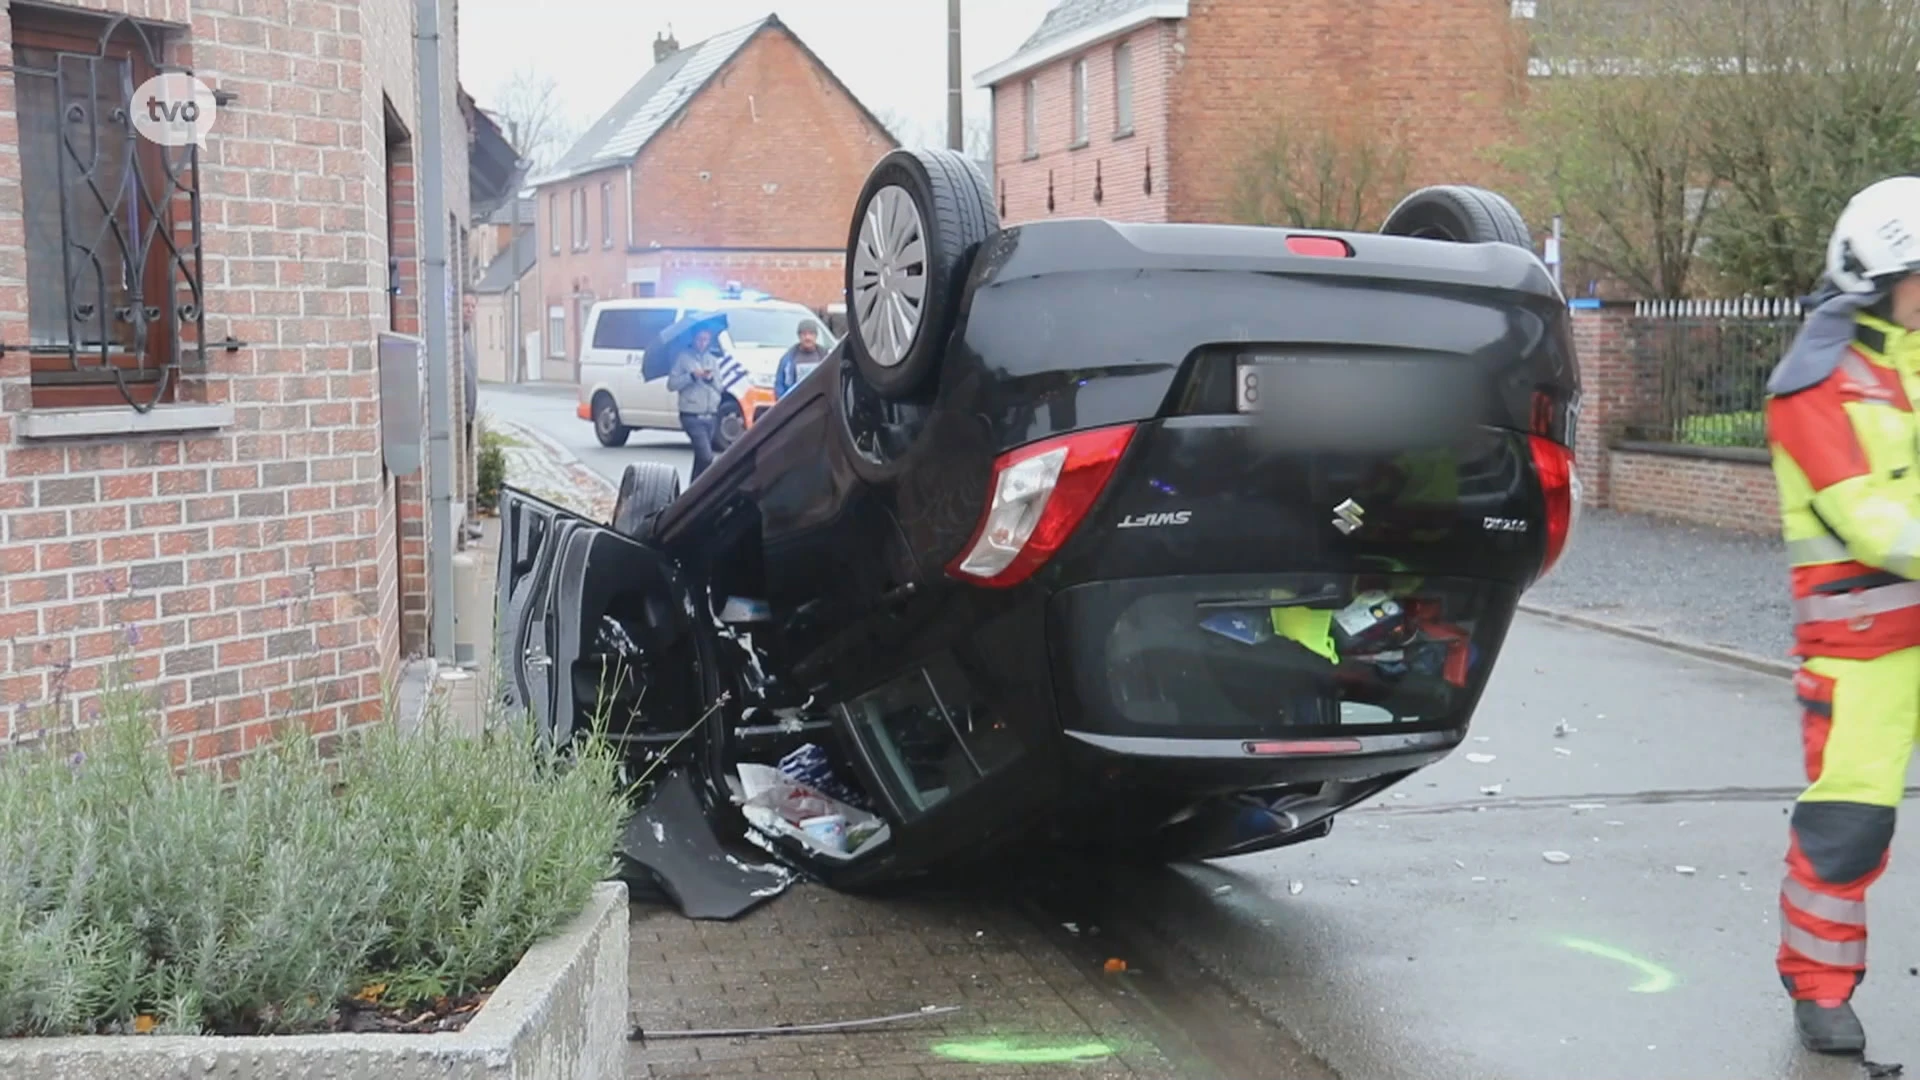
1657, 980
1005, 1052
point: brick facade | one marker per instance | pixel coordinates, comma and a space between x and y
255, 567
1445, 74
1730, 488
754, 181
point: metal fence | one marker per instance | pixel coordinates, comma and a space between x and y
1705, 365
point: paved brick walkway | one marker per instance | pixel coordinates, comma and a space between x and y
815, 956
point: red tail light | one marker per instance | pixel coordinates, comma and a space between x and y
1560, 485
1325, 247
1040, 494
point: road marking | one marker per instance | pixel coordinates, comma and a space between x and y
1004, 1052
1658, 979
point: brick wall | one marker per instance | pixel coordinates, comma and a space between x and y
1444, 72
755, 181
248, 571
1130, 168
1620, 380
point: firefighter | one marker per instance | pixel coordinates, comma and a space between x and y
1841, 429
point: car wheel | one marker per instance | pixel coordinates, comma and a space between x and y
1461, 214
606, 422
730, 425
646, 488
919, 219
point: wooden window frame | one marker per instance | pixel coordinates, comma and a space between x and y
54, 382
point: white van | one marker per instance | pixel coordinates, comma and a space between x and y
617, 399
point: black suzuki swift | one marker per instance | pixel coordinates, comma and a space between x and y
1169, 539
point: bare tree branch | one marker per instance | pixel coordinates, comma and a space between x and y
1309, 173
530, 112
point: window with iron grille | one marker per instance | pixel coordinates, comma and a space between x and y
115, 301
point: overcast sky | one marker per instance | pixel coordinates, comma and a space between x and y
892, 53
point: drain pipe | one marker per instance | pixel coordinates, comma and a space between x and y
430, 179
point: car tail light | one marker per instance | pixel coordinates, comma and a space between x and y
1041, 492
1325, 247
1560, 485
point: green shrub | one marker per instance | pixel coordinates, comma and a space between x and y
424, 863
492, 469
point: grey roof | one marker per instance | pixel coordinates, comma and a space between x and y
510, 265
646, 108
1068, 16
505, 213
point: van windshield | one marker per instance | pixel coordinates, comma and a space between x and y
631, 329
771, 328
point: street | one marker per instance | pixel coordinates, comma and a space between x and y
549, 409
1586, 888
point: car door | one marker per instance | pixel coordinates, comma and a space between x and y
593, 629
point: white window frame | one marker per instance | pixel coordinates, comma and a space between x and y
557, 339
553, 222
1032, 120
606, 213
1123, 89
579, 205
1081, 132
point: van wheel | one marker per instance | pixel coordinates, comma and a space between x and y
1461, 214
606, 421
729, 426
919, 219
646, 488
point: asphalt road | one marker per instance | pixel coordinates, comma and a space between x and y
550, 410
1430, 939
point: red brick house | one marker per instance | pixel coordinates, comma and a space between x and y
201, 466
738, 158
1140, 110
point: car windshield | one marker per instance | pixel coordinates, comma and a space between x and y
771, 328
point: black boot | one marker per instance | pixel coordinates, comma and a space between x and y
1833, 1030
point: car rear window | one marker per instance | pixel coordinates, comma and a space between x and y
630, 328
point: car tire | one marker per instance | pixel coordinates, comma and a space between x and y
729, 425
646, 488
606, 421
937, 200
1460, 214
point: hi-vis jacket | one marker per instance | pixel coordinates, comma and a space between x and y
1842, 431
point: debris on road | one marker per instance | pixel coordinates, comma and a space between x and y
1579, 806
640, 1035
1222, 890
1563, 729
1556, 857
1491, 789
1295, 888
1481, 759
1115, 965
1563, 751
1687, 870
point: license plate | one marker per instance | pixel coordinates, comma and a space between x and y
1246, 387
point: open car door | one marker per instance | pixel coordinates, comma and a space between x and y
596, 632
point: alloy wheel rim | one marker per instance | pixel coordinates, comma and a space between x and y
890, 276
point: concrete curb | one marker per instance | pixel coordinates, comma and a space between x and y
1782, 668
560, 1014
555, 451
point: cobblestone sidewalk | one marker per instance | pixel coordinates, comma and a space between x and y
817, 956
541, 467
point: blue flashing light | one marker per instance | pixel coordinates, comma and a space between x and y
700, 292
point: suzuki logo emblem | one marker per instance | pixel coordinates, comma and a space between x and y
1346, 517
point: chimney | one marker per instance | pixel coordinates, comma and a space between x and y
664, 46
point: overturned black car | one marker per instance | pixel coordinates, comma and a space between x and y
1172, 540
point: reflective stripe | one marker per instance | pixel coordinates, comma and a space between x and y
1862, 373
1862, 604
1820, 950
1817, 549
1821, 906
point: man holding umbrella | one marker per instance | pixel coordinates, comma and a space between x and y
692, 378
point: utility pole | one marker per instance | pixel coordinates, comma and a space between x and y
956, 111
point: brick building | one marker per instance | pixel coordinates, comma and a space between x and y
1143, 110
193, 471
735, 159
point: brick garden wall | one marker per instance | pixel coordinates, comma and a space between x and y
1728, 488
249, 571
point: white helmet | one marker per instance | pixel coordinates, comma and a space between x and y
1877, 237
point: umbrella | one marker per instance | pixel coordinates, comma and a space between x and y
657, 363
